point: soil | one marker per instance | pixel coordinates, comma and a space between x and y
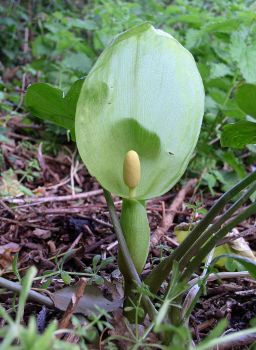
43, 233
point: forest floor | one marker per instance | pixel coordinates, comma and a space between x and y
65, 228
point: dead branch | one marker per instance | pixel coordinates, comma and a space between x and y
64, 322
171, 212
39, 200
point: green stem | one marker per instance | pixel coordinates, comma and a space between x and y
162, 270
131, 270
202, 253
132, 192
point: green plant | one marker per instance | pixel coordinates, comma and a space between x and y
17, 336
141, 130
242, 133
138, 118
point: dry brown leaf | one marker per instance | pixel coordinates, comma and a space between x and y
241, 246
93, 298
6, 256
41, 233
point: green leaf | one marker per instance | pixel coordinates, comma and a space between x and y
244, 54
221, 25
239, 134
230, 158
49, 103
219, 70
65, 277
247, 64
247, 263
246, 97
144, 94
26, 286
78, 61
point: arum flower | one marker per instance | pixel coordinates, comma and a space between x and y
144, 94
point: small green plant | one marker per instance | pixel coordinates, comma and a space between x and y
17, 336
138, 118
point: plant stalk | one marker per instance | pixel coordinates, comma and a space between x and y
131, 270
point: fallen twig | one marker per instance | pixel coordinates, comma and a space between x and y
242, 340
64, 322
171, 212
251, 232
221, 275
32, 295
39, 200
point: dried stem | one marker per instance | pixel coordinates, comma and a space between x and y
32, 295
64, 322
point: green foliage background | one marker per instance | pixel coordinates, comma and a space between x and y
57, 42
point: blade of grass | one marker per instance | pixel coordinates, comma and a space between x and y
26, 285
203, 251
162, 270
215, 227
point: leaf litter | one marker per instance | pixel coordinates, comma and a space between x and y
42, 233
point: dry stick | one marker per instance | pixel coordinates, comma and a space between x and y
32, 295
243, 340
64, 322
168, 219
5, 206
38, 200
249, 234
221, 275
27, 224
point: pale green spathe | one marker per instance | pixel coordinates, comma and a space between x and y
144, 94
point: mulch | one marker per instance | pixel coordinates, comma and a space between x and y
43, 233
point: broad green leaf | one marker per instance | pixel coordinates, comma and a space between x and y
247, 64
219, 70
145, 94
221, 25
49, 103
239, 134
78, 61
244, 54
246, 98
